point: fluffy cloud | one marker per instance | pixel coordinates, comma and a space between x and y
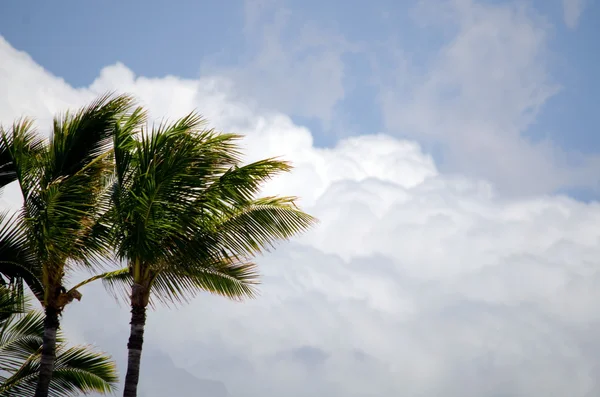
416, 282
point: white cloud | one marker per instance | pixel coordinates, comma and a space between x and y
572, 11
482, 93
416, 282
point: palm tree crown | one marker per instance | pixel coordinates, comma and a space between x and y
185, 217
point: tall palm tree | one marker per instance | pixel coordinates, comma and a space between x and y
78, 369
184, 218
63, 183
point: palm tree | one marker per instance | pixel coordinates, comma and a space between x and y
184, 218
78, 369
63, 183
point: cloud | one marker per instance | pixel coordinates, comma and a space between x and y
417, 282
572, 11
480, 96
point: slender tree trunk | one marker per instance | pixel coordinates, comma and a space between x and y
136, 340
51, 324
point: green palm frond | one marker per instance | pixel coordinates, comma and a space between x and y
77, 370
242, 232
118, 284
8, 173
255, 226
17, 262
17, 273
20, 148
11, 302
124, 141
105, 277
21, 338
239, 185
80, 369
79, 139
231, 279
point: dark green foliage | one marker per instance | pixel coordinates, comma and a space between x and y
77, 370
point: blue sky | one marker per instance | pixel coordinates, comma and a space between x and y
449, 148
74, 40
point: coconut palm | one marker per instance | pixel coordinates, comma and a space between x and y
185, 218
78, 369
63, 183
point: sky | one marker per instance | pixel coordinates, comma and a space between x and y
448, 147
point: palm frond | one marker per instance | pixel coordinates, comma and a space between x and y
78, 139
8, 173
239, 185
17, 260
77, 370
107, 277
11, 302
177, 284
19, 339
256, 226
20, 148
80, 369
118, 283
124, 142
232, 279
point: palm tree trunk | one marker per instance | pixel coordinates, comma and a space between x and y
51, 324
136, 340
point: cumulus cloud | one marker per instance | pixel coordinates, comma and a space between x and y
417, 282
